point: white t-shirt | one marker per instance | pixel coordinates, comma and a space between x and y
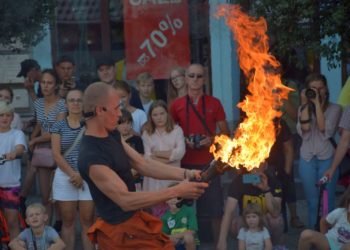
254, 240
10, 172
340, 232
139, 118
17, 122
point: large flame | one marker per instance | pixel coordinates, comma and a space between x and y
255, 136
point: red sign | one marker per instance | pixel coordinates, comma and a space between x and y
156, 36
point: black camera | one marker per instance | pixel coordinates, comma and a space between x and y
195, 139
310, 93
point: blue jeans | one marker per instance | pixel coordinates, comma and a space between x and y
310, 172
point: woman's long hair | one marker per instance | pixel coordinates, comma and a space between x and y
149, 126
172, 91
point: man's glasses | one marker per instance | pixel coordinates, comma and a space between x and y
195, 76
73, 100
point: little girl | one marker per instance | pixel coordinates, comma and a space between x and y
335, 229
253, 235
163, 141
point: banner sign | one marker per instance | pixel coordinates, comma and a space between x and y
156, 36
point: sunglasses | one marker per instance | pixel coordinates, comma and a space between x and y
195, 76
71, 100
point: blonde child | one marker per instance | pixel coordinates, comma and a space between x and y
145, 86
12, 146
163, 141
180, 224
38, 236
253, 235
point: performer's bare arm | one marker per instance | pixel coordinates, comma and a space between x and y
114, 188
156, 169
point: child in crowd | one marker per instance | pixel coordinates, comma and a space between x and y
145, 86
125, 129
335, 229
38, 236
180, 224
139, 116
163, 141
253, 235
6, 95
12, 146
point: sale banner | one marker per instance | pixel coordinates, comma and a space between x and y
156, 37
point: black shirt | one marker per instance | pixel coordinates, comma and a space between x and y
107, 151
283, 134
136, 143
247, 193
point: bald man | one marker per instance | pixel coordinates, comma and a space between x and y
105, 163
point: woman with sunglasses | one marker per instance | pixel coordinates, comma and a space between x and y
69, 189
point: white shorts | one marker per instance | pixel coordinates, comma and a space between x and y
63, 190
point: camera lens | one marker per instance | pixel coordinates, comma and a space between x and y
310, 93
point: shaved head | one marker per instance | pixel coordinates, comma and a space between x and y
96, 94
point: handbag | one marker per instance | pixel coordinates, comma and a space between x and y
43, 157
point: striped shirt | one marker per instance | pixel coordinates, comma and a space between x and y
68, 136
47, 120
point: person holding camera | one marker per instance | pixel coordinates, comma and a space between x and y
257, 187
65, 69
317, 123
199, 115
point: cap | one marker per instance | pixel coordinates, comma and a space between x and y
27, 65
104, 60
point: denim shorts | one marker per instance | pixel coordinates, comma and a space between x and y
9, 197
210, 204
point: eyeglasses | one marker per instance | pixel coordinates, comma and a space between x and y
198, 76
72, 100
175, 78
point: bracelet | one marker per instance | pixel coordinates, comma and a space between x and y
305, 121
267, 191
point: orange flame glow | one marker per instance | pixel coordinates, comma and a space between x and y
255, 136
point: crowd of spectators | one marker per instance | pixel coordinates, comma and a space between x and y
178, 133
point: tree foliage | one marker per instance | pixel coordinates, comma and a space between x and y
320, 27
23, 21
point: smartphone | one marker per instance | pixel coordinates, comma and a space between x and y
251, 179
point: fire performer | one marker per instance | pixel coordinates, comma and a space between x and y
105, 163
198, 115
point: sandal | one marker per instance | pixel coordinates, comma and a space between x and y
296, 223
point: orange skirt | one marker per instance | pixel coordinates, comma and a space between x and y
141, 231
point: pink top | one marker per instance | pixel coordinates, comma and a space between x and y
316, 143
163, 141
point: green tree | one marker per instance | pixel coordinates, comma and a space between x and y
23, 21
320, 27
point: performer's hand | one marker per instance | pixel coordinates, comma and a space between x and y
190, 190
